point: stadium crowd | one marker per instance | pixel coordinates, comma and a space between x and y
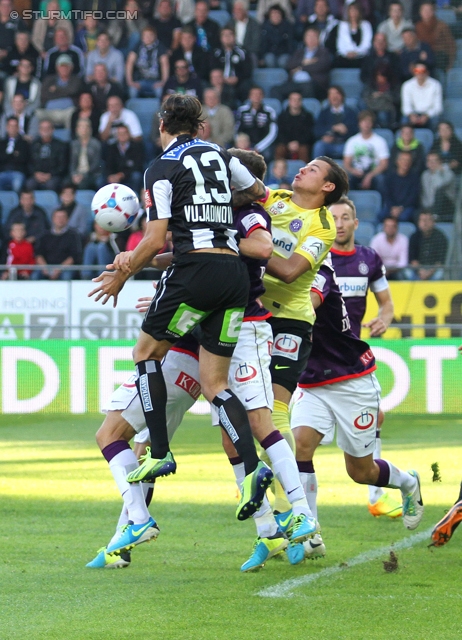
373, 84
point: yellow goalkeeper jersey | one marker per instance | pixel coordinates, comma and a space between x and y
308, 232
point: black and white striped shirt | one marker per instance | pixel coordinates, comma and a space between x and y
190, 183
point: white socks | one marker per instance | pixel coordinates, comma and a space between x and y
132, 494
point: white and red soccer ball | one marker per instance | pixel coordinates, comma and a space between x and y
115, 207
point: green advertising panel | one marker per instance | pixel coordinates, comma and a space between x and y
417, 376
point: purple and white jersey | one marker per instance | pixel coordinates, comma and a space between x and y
246, 220
337, 354
357, 271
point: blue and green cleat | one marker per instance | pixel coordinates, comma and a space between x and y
284, 520
302, 528
105, 560
253, 491
152, 468
133, 534
264, 549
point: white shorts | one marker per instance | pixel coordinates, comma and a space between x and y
181, 374
352, 406
249, 373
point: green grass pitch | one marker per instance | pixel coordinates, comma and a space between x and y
59, 504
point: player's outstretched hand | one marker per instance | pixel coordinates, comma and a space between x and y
111, 285
121, 262
377, 326
143, 304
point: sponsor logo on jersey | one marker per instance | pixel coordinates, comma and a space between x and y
245, 372
177, 152
296, 225
277, 208
286, 345
188, 384
314, 247
364, 421
351, 286
363, 268
284, 242
147, 199
367, 357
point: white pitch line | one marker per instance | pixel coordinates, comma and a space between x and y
285, 589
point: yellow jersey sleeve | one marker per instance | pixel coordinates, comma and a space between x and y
318, 237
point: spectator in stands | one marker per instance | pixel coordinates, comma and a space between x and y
60, 246
23, 49
246, 28
438, 188
9, 27
381, 95
379, 58
25, 84
19, 251
28, 124
85, 109
263, 6
309, 69
225, 92
334, 125
28, 213
188, 49
393, 248
106, 54
14, 157
60, 93
428, 247
354, 38
322, 18
87, 35
258, 120
116, 113
422, 99
365, 156
102, 88
126, 34
207, 31
277, 39
437, 34
85, 164
235, 64
98, 251
49, 159
277, 174
124, 160
242, 141
43, 30
412, 53
401, 195
395, 25
147, 66
220, 118
76, 212
448, 146
167, 25
183, 82
63, 46
295, 130
406, 141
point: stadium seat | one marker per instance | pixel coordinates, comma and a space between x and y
446, 15
388, 136
220, 16
407, 228
293, 167
368, 204
9, 200
425, 136
145, 108
274, 103
453, 110
268, 78
364, 233
48, 200
62, 134
458, 60
310, 104
454, 83
84, 196
349, 80
447, 228
458, 132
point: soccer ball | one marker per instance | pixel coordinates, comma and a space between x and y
115, 207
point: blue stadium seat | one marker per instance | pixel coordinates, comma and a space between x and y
220, 16
274, 103
458, 132
425, 136
447, 228
268, 78
453, 110
62, 134
48, 200
387, 135
84, 196
407, 228
368, 204
458, 60
145, 108
364, 232
9, 200
454, 83
293, 167
446, 15
311, 104
349, 80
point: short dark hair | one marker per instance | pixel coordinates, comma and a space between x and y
391, 217
366, 113
339, 177
62, 209
349, 203
252, 160
68, 185
181, 114
12, 118
26, 190
338, 88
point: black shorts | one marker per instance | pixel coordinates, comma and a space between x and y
291, 350
209, 289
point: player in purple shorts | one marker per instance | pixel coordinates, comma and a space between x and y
339, 390
359, 269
